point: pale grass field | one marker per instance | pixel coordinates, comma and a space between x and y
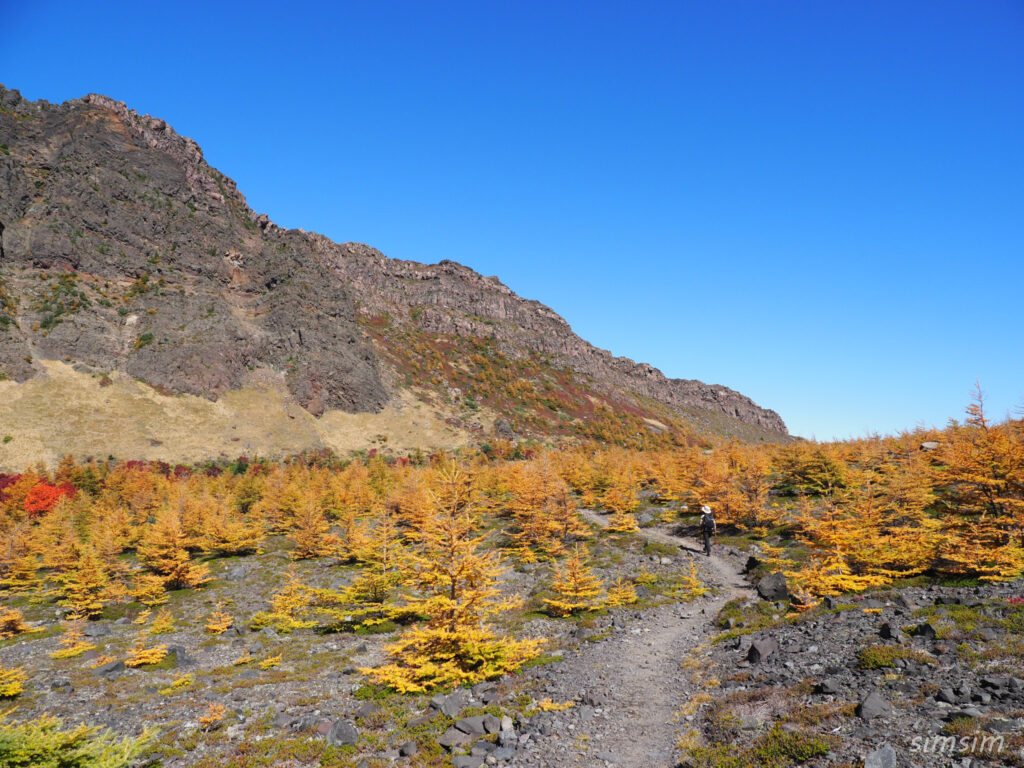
69, 412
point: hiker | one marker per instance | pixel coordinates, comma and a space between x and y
707, 528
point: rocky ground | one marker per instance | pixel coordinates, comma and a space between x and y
918, 676
299, 698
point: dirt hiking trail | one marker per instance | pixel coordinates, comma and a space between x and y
632, 685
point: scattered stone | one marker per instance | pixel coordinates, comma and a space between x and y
181, 658
473, 725
95, 629
342, 734
872, 706
419, 720
368, 708
453, 737
926, 631
827, 687
408, 749
890, 631
947, 695
994, 682
773, 588
507, 738
482, 748
883, 757
1003, 726
761, 649
111, 669
454, 703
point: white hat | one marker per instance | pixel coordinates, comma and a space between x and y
706, 509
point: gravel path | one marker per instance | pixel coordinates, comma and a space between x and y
632, 685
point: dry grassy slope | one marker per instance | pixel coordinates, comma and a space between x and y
70, 412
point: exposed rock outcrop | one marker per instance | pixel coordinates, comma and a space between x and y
122, 249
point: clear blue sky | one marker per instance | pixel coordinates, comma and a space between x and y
820, 204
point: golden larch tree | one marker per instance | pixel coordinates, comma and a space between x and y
458, 580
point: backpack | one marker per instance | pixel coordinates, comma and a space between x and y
707, 523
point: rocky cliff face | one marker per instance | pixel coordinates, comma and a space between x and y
125, 251
449, 298
122, 249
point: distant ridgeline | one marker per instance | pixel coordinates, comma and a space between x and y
124, 251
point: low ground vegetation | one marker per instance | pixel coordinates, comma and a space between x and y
402, 577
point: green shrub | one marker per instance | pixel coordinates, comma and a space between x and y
882, 656
40, 742
775, 749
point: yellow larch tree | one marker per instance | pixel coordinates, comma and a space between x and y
574, 585
140, 491
226, 531
620, 494
620, 592
281, 499
149, 589
371, 598
532, 485
754, 480
833, 535
566, 522
220, 621
288, 607
73, 643
12, 504
356, 499
311, 533
459, 593
717, 486
85, 586
982, 476
56, 539
12, 622
19, 561
12, 681
163, 550
412, 500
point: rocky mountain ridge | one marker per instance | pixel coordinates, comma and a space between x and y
121, 249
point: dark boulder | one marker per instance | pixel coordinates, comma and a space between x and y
773, 588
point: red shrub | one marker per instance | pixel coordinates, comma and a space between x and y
44, 497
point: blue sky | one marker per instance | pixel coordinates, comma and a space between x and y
820, 205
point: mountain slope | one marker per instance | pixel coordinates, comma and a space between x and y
121, 249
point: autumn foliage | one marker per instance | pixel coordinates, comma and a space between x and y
426, 542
